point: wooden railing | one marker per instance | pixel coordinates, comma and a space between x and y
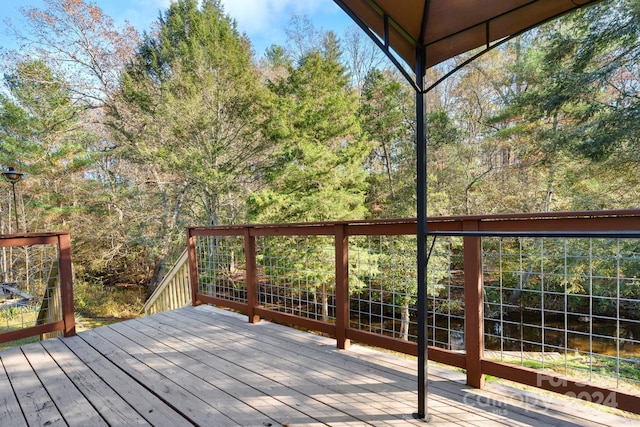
174, 291
311, 276
37, 265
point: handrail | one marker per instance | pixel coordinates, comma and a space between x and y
174, 291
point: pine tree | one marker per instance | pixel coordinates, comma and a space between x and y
317, 170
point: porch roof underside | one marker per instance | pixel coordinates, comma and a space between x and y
446, 28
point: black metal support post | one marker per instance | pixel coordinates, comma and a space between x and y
13, 176
15, 206
421, 211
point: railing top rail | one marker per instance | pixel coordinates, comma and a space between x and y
542, 215
29, 239
493, 218
612, 234
309, 224
32, 235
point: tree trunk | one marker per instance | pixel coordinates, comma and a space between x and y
325, 303
404, 323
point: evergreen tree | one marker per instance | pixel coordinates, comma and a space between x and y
317, 167
386, 113
193, 113
317, 170
196, 99
42, 133
578, 103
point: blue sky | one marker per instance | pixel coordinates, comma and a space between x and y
262, 20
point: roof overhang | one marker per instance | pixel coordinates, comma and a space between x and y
447, 28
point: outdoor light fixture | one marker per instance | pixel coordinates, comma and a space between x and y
13, 176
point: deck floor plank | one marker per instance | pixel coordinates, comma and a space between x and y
231, 378
10, 412
323, 375
265, 381
108, 342
36, 404
147, 405
115, 410
210, 367
184, 371
72, 404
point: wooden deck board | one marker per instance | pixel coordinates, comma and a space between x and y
37, 406
351, 388
221, 408
117, 411
162, 384
209, 367
267, 381
146, 404
226, 376
71, 403
10, 412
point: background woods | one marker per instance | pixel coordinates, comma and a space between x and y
128, 138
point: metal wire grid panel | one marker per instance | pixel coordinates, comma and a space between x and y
30, 287
221, 267
445, 290
382, 282
568, 306
296, 275
383, 289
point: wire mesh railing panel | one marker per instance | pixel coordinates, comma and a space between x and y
296, 275
383, 288
569, 306
221, 267
445, 293
382, 285
29, 287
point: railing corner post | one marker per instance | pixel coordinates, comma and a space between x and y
474, 319
251, 275
193, 267
66, 284
342, 285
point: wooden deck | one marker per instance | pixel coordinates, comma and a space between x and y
209, 367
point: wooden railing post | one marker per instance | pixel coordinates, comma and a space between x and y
66, 284
193, 267
251, 275
474, 323
342, 285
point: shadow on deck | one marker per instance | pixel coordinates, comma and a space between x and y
206, 366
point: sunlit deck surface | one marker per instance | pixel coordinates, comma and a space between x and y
209, 367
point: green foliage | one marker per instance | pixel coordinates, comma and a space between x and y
576, 99
388, 264
39, 122
307, 261
94, 300
316, 170
45, 134
196, 98
386, 110
585, 276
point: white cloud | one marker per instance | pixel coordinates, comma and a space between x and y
261, 16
